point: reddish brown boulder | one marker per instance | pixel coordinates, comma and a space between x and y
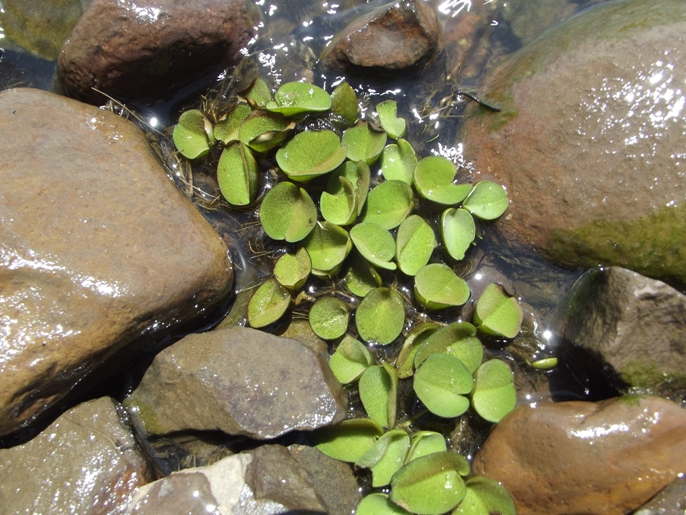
146, 49
395, 37
586, 458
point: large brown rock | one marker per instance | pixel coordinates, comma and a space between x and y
636, 324
396, 37
146, 49
590, 140
98, 249
586, 458
85, 462
240, 381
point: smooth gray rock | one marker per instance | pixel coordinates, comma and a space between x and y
147, 49
636, 324
401, 36
264, 481
240, 381
99, 251
589, 141
86, 462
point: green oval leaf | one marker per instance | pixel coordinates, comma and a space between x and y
487, 200
292, 271
328, 245
349, 440
544, 364
394, 126
310, 154
287, 213
227, 128
494, 391
362, 277
398, 162
375, 244
388, 204
238, 174
190, 134
364, 143
344, 103
258, 93
269, 302
350, 359
425, 443
379, 504
430, 485
359, 175
485, 496
440, 340
386, 457
469, 351
295, 98
338, 202
436, 286
329, 318
458, 232
379, 394
433, 178
415, 242
498, 313
262, 130
441, 383
380, 317
404, 364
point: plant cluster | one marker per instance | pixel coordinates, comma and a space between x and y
360, 226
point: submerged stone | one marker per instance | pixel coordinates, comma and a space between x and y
589, 142
87, 461
99, 252
240, 381
396, 37
636, 324
145, 50
581, 457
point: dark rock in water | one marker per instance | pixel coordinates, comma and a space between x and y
99, 251
240, 381
263, 481
87, 460
589, 142
581, 457
333, 480
670, 501
636, 324
397, 37
144, 50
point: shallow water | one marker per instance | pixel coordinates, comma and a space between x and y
478, 34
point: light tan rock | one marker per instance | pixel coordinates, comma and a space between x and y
586, 458
85, 462
98, 249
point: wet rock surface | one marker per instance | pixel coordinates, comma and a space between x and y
636, 324
589, 142
670, 501
99, 254
240, 381
267, 480
578, 457
87, 461
148, 49
396, 37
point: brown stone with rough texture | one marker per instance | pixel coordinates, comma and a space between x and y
586, 458
636, 324
589, 142
147, 49
240, 381
86, 462
98, 249
398, 36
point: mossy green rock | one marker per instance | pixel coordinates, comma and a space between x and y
589, 142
